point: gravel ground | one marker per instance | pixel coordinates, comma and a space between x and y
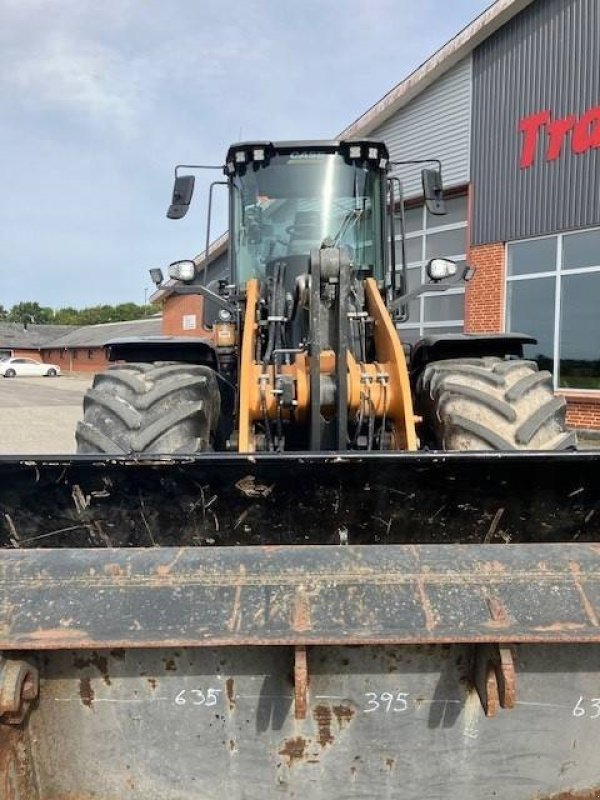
38, 415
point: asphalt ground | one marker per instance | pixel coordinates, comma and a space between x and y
38, 415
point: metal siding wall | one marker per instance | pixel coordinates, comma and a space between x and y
546, 58
436, 124
218, 269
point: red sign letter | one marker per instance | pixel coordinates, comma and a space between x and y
587, 131
557, 131
530, 127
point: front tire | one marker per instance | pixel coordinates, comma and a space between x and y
52, 373
491, 404
10, 373
160, 408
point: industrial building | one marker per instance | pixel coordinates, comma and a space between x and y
75, 349
511, 107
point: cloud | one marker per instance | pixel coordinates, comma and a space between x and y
100, 99
111, 67
79, 77
53, 59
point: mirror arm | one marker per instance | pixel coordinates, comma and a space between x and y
197, 166
418, 161
434, 286
197, 288
210, 200
402, 233
410, 296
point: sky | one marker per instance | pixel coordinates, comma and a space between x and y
99, 101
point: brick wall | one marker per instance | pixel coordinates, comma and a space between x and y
182, 316
484, 298
583, 412
19, 352
79, 359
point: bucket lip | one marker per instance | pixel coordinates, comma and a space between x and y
426, 458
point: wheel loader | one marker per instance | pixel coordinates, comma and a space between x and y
297, 557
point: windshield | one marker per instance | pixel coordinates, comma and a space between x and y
295, 202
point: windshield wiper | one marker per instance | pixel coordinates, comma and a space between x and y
348, 223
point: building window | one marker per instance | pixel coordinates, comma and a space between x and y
5, 354
429, 236
553, 286
90, 354
188, 322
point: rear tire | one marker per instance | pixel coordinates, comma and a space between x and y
160, 408
10, 373
491, 404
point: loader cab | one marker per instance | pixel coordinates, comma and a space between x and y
289, 198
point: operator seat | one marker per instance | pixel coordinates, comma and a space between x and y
304, 233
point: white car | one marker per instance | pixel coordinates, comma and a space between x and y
11, 367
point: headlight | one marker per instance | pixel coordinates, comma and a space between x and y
182, 270
440, 268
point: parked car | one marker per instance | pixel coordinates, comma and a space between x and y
11, 367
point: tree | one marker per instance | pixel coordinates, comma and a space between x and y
3, 313
31, 312
125, 311
67, 316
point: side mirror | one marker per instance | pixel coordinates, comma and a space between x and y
182, 196
433, 190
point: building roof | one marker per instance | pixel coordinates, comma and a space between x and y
15, 335
460, 46
99, 335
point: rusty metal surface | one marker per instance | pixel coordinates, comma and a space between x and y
300, 681
299, 595
494, 677
306, 720
401, 723
19, 687
220, 499
17, 777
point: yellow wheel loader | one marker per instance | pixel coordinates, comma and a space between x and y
296, 558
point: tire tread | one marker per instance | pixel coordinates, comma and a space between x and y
162, 408
494, 404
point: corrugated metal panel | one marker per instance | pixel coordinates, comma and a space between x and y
437, 124
218, 269
546, 58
